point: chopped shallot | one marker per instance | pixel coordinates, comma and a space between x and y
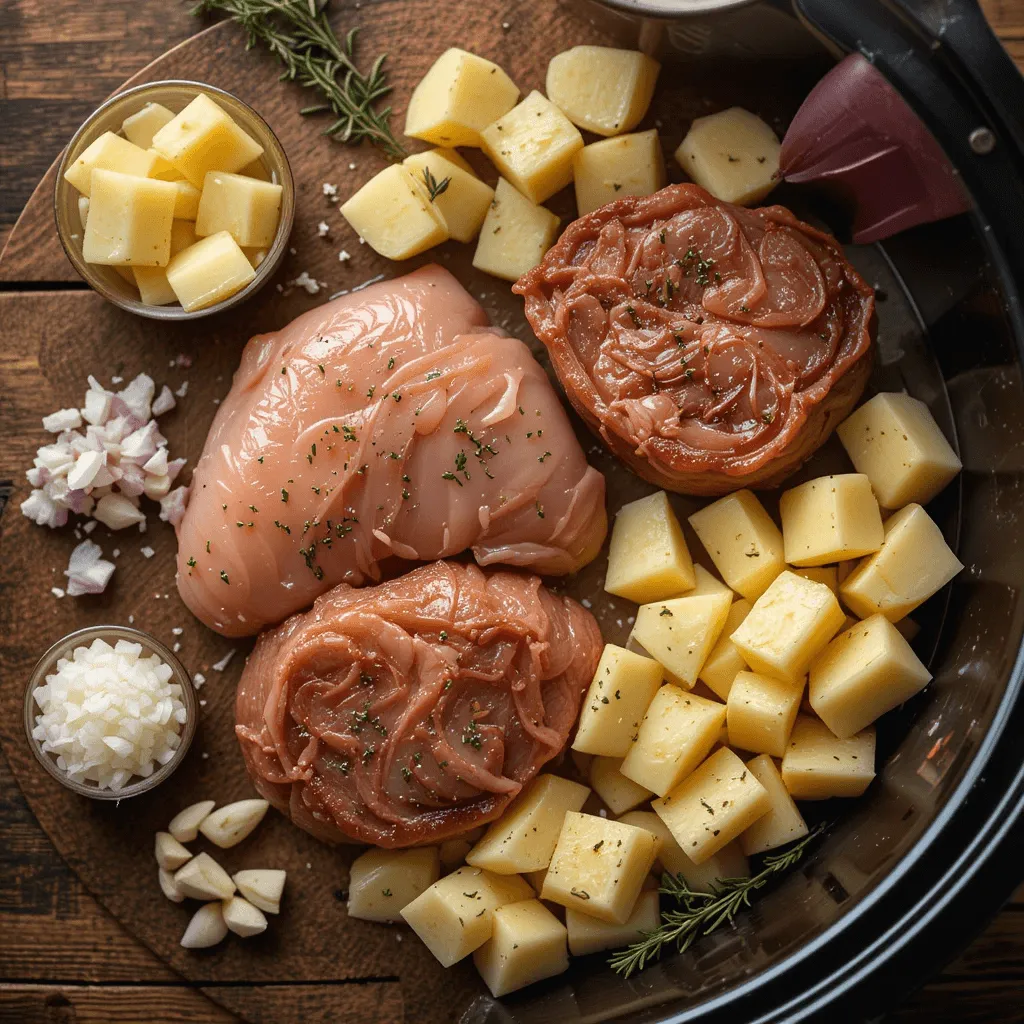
87, 571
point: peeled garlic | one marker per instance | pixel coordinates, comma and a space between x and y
229, 825
243, 918
170, 854
170, 890
185, 824
206, 928
203, 878
262, 887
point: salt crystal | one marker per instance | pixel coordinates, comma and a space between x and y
147, 552
344, 256
56, 591
198, 679
183, 390
322, 229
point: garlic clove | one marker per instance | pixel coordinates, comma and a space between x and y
185, 824
229, 825
170, 854
206, 928
243, 918
262, 887
167, 886
202, 878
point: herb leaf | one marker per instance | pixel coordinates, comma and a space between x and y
434, 187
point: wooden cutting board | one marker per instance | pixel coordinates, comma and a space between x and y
54, 333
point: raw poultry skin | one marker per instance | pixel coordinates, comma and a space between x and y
388, 424
412, 711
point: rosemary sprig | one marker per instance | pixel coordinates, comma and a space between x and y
298, 33
702, 912
435, 187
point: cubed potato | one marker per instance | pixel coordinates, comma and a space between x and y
908, 629
533, 146
827, 574
591, 935
862, 673
394, 215
783, 823
618, 793
713, 805
528, 944
818, 765
129, 220
707, 585
676, 734
457, 98
599, 866
381, 883
733, 154
721, 665
761, 713
913, 563
154, 288
186, 206
629, 165
110, 153
524, 837
163, 169
208, 272
788, 626
140, 127
515, 234
203, 137
894, 440
603, 90
464, 201
742, 541
249, 210
648, 559
455, 915
830, 519
83, 210
622, 688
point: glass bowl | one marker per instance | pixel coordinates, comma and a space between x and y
174, 95
111, 634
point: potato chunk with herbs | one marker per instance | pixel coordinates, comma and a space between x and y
248, 209
109, 153
129, 221
628, 165
515, 234
528, 944
761, 713
783, 823
721, 665
618, 793
460, 196
208, 272
154, 288
381, 883
818, 765
591, 935
140, 127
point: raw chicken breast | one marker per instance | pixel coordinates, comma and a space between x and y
412, 711
389, 424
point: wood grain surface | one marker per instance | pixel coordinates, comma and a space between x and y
62, 957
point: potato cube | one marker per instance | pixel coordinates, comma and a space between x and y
163, 169
761, 713
527, 945
208, 272
249, 210
603, 90
733, 154
524, 837
515, 235
154, 288
394, 214
591, 935
140, 127
629, 165
783, 823
622, 688
186, 206
203, 137
618, 793
894, 440
382, 882
129, 220
457, 98
680, 633
721, 665
676, 734
913, 563
818, 765
599, 866
827, 574
706, 585
533, 146
787, 627
110, 153
713, 805
465, 200
455, 915
648, 559
743, 542
864, 672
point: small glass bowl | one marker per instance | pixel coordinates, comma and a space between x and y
111, 634
174, 95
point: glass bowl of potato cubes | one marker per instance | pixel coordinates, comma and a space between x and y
174, 200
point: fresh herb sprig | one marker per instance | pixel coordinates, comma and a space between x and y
298, 33
701, 913
435, 187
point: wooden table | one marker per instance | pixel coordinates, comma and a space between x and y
62, 957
